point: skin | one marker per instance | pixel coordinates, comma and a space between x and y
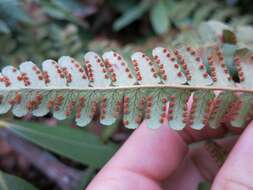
161, 160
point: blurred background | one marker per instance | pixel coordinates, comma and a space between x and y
45, 154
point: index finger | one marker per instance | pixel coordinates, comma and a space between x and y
148, 157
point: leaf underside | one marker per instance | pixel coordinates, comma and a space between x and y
158, 89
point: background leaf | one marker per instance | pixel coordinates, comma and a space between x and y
204, 185
131, 15
159, 17
10, 182
4, 28
85, 179
12, 9
76, 144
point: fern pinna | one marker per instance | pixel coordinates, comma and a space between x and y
156, 89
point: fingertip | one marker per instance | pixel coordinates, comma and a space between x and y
150, 154
238, 167
155, 152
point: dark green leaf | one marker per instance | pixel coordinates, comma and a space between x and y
108, 131
85, 179
59, 10
14, 10
75, 144
10, 182
68, 5
204, 186
55, 12
130, 16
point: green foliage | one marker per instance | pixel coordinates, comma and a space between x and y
204, 186
158, 17
76, 144
10, 182
131, 15
64, 10
59, 40
85, 179
51, 36
182, 14
12, 12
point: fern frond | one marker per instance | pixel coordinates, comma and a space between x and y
156, 89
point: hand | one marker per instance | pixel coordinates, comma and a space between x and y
161, 160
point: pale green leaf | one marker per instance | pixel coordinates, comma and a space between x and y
242, 110
178, 105
197, 72
168, 64
203, 12
133, 106
222, 13
4, 27
220, 107
156, 107
200, 105
159, 17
